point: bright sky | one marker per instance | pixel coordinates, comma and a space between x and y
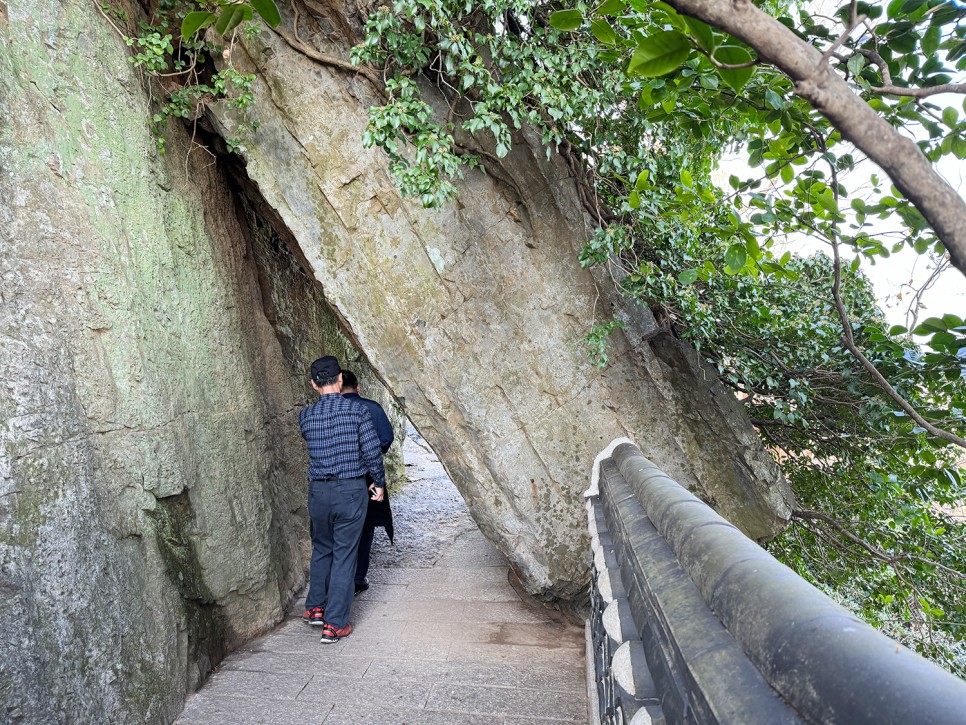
898, 275
890, 275
949, 292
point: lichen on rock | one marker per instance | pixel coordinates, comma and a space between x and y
154, 345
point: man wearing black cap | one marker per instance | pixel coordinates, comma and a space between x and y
343, 448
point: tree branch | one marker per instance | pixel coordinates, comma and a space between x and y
876, 552
809, 515
726, 66
305, 49
920, 92
879, 62
854, 22
870, 368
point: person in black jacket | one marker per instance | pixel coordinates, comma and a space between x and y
379, 513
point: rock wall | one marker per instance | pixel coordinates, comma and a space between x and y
475, 314
155, 333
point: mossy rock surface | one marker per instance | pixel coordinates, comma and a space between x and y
155, 334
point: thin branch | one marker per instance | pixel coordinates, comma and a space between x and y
727, 66
912, 311
331, 60
100, 9
870, 368
876, 552
854, 22
810, 515
879, 62
189, 69
849, 341
859, 123
920, 92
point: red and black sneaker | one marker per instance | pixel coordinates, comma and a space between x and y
314, 616
331, 634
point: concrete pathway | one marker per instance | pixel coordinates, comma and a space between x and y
440, 638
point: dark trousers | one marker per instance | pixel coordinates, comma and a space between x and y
365, 547
338, 511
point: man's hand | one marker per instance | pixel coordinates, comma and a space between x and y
376, 493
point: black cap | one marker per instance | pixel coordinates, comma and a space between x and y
324, 368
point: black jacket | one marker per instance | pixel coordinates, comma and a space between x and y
379, 513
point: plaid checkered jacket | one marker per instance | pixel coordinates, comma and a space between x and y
342, 440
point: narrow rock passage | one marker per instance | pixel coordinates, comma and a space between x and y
440, 638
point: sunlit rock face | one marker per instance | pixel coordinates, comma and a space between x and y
475, 315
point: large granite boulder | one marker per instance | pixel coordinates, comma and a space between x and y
155, 333
475, 315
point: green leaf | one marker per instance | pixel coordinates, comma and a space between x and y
952, 321
827, 202
856, 63
736, 256
688, 276
193, 22
231, 16
950, 116
603, 31
634, 200
773, 100
641, 182
612, 7
708, 81
734, 55
566, 19
787, 173
686, 178
929, 326
944, 340
268, 10
753, 249
659, 54
645, 101
930, 41
702, 33
897, 330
